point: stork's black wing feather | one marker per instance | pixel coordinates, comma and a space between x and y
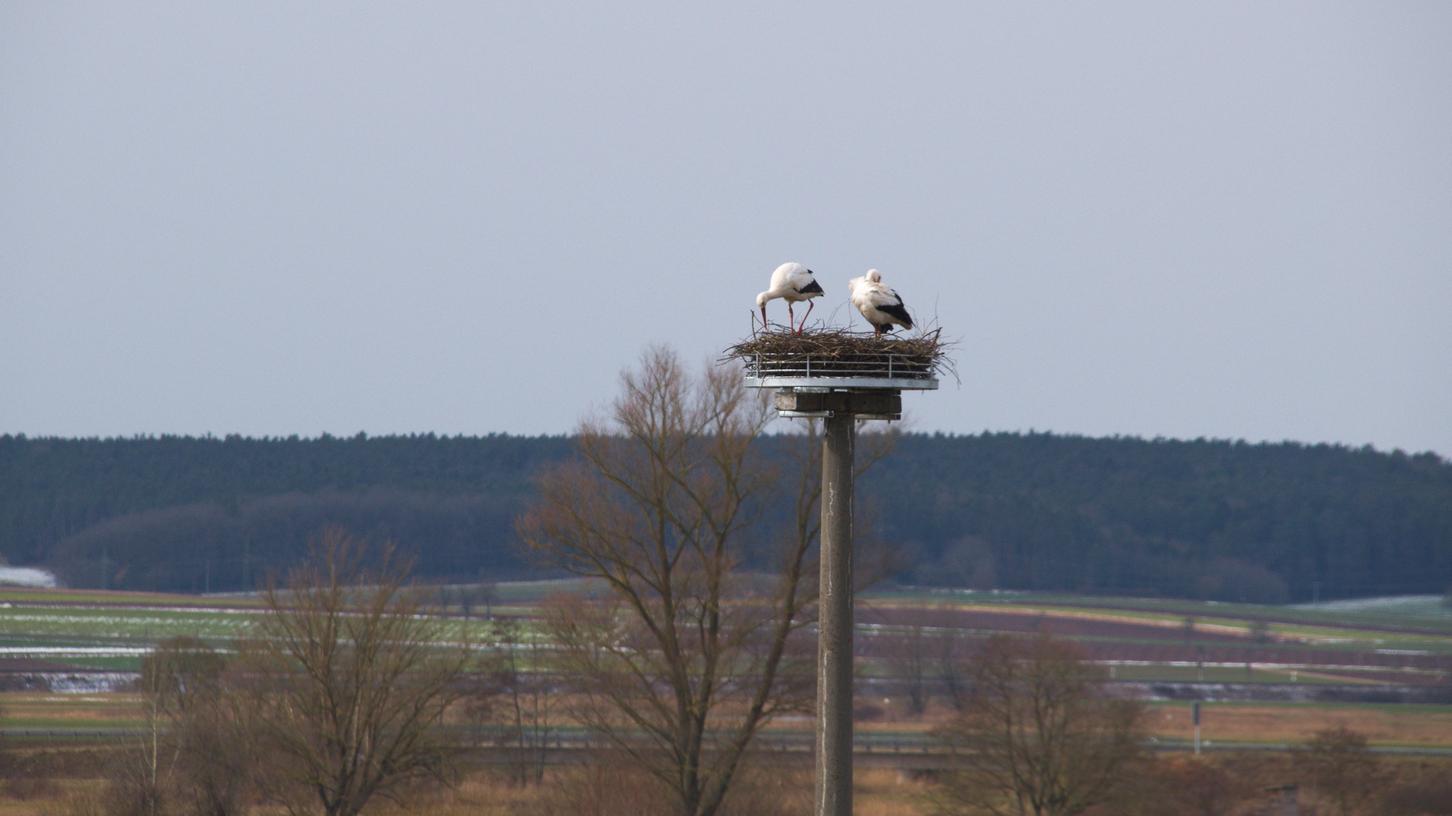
813, 286
898, 311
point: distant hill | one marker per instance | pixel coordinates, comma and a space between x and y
1206, 519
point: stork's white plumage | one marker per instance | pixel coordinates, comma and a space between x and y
882, 306
791, 282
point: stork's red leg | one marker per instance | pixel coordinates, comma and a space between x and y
810, 304
791, 318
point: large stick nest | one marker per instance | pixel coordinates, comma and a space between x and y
841, 353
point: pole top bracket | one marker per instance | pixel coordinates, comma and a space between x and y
821, 403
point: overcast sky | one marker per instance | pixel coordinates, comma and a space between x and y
272, 218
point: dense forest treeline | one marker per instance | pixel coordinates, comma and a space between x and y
1209, 519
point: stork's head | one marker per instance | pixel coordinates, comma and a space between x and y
761, 300
874, 276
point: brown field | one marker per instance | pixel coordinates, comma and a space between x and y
1382, 725
876, 793
1104, 635
488, 793
21, 708
606, 791
1058, 622
1412, 725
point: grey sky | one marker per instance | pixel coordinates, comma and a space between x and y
270, 218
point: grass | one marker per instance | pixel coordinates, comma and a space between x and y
49, 618
1416, 607
533, 592
116, 664
1264, 722
22, 708
1390, 725
1336, 623
42, 618
1226, 674
1333, 629
1178, 673
103, 596
119, 624
487, 793
62, 626
1417, 614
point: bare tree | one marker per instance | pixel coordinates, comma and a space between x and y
215, 763
911, 656
1194, 786
527, 702
184, 683
689, 657
142, 774
952, 668
1341, 769
181, 675
1260, 631
487, 593
350, 681
445, 598
185, 761
1038, 734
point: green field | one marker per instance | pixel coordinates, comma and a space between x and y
68, 621
100, 596
1413, 613
1349, 629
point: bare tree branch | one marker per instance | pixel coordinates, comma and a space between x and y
691, 657
349, 681
1037, 734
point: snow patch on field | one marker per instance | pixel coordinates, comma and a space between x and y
74, 651
1391, 604
90, 683
26, 577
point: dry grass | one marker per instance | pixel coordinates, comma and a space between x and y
103, 708
608, 790
482, 794
879, 792
44, 796
1293, 724
600, 790
604, 790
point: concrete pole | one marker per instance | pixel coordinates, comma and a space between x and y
834, 625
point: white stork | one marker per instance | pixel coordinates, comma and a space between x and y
881, 306
791, 282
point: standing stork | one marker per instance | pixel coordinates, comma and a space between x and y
791, 282
881, 306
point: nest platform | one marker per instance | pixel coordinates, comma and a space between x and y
840, 359
826, 372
